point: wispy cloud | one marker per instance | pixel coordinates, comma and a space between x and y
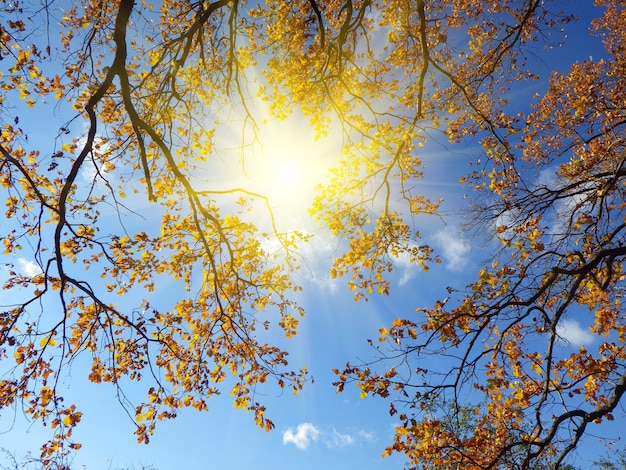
306, 433
29, 268
317, 256
337, 439
571, 332
454, 248
92, 166
302, 437
407, 268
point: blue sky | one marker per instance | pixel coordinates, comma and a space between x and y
318, 428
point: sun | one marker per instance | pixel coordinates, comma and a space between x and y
288, 174
275, 165
288, 162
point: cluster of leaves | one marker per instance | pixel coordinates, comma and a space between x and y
144, 89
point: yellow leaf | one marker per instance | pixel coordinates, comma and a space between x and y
47, 341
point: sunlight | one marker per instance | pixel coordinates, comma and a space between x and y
282, 160
286, 163
284, 157
288, 174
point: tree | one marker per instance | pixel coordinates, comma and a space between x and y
29, 463
554, 197
613, 461
142, 91
461, 420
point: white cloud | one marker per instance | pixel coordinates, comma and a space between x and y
305, 433
407, 267
571, 332
29, 268
407, 274
548, 177
318, 254
89, 170
337, 439
454, 249
565, 208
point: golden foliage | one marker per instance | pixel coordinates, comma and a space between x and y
143, 90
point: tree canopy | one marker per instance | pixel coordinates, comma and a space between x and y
147, 96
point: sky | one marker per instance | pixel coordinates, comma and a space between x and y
318, 428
